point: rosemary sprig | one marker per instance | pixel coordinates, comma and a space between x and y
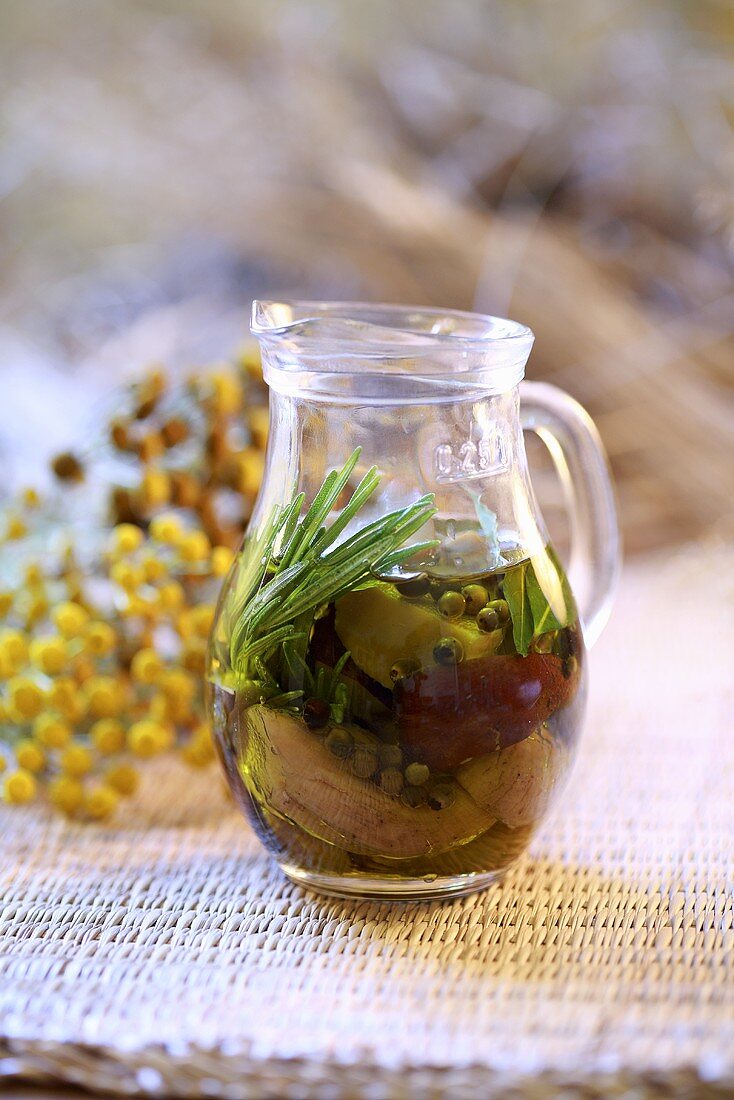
294, 566
323, 502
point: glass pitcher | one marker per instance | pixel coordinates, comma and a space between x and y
397, 670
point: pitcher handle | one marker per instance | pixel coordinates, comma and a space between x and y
578, 455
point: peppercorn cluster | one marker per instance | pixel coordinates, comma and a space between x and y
102, 651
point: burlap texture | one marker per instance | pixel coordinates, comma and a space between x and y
165, 954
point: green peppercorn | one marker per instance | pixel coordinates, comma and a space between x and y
570, 667
488, 620
391, 780
390, 756
315, 713
403, 668
475, 598
448, 651
503, 610
440, 796
417, 774
414, 588
364, 762
251, 692
340, 742
451, 605
413, 796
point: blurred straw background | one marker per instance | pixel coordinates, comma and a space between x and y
568, 164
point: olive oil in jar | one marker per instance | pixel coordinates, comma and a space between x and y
426, 729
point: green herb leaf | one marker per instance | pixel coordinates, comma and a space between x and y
544, 618
285, 699
488, 524
327, 535
265, 645
323, 503
397, 557
515, 589
288, 522
275, 590
568, 596
254, 560
295, 663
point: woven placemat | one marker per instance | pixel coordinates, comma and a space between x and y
164, 953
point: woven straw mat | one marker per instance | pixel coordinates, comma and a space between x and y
164, 954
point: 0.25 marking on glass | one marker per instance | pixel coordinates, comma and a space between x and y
470, 460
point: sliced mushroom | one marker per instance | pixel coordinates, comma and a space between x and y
292, 772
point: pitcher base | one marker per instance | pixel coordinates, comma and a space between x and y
388, 888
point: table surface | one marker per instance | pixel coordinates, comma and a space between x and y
165, 954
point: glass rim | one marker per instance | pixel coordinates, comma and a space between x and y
428, 328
